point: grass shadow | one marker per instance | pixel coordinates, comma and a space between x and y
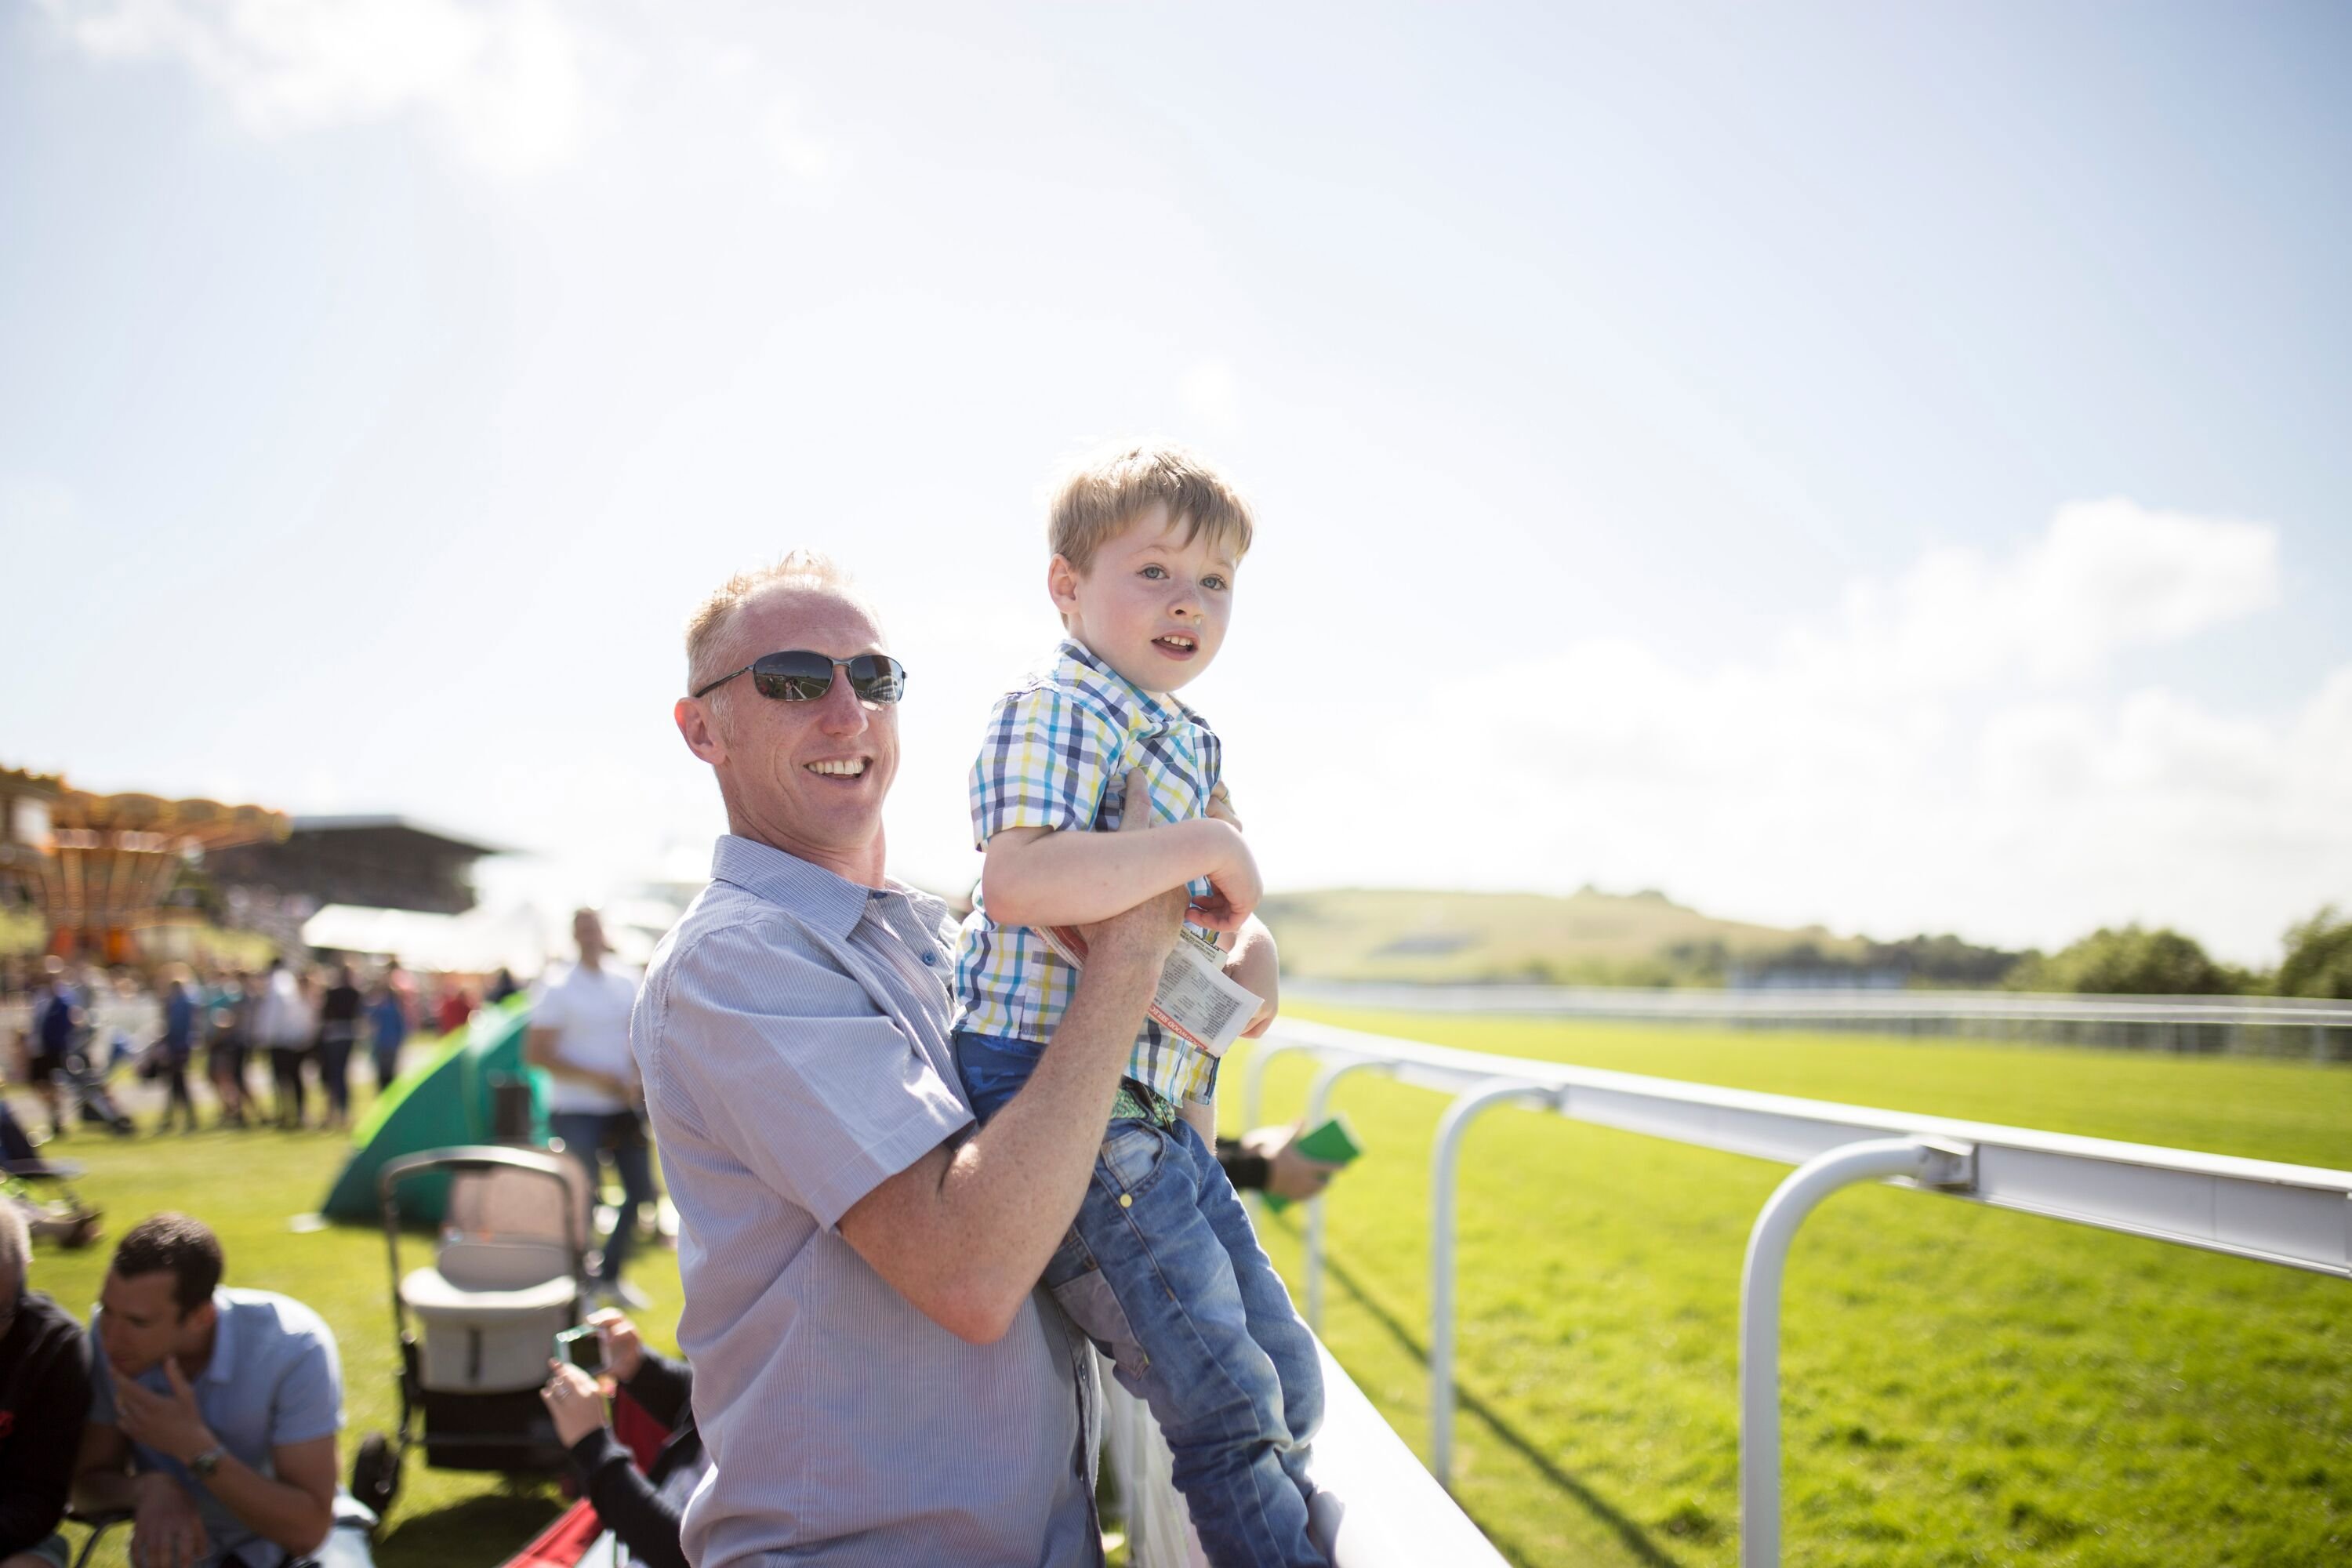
456, 1533
1637, 1540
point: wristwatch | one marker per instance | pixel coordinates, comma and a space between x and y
203, 1465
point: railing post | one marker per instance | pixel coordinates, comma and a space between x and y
1443, 1160
1319, 1105
1929, 1161
1254, 1084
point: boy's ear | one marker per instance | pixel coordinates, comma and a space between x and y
1062, 585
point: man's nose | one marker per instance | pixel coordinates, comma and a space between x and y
841, 711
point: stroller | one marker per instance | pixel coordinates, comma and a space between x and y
511, 1273
24, 1174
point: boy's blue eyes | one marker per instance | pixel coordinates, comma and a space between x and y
1155, 573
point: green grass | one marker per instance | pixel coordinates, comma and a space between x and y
1961, 1385
248, 1186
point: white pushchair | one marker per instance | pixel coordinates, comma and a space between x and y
510, 1274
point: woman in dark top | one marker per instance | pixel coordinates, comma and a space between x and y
338, 1031
640, 1508
44, 1400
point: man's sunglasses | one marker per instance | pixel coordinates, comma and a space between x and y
800, 676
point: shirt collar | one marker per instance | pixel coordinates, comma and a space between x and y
1076, 664
223, 1366
832, 902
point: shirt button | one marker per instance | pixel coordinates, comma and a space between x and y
930, 958
1127, 1200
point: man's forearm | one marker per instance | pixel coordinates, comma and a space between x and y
1018, 1181
540, 1049
964, 1233
105, 1491
1033, 878
277, 1510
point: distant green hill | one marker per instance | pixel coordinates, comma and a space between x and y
1590, 938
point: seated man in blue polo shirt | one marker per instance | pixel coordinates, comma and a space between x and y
213, 1413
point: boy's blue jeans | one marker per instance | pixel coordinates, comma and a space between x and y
1162, 1271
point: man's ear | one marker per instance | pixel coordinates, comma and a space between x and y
697, 723
1062, 585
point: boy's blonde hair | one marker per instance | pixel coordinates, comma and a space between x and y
1106, 492
804, 568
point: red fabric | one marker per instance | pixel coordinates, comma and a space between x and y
560, 1544
637, 1432
577, 1527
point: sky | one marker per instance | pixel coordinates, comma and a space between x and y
1875, 466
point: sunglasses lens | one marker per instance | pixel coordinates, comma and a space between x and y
877, 678
792, 677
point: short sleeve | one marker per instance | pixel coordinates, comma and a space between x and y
309, 1398
1043, 762
547, 1005
102, 1382
792, 1069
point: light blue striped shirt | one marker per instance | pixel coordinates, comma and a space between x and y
792, 1031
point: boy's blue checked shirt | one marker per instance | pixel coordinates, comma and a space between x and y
1055, 755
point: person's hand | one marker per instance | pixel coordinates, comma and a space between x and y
574, 1401
1221, 806
1257, 967
623, 1351
165, 1530
1234, 886
1289, 1175
168, 1423
1147, 931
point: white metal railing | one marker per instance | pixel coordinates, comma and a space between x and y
2272, 1024
1374, 1506
2298, 1216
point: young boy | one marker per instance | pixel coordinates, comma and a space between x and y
1161, 1267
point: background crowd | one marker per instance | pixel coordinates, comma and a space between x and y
275, 1044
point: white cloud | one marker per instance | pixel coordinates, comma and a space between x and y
806, 158
2107, 577
1936, 755
511, 86
502, 78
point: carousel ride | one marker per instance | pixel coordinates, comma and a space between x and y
100, 867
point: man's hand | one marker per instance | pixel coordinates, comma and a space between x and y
1147, 931
165, 1530
169, 1424
1257, 967
624, 1351
1289, 1175
574, 1401
1221, 806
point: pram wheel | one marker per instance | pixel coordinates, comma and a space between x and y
375, 1473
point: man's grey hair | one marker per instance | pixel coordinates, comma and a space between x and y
707, 626
16, 1243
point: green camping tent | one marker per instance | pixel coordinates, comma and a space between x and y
445, 1100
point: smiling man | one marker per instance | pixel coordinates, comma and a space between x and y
875, 1377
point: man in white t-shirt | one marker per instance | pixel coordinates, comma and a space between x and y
579, 1034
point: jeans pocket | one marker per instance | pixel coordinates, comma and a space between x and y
1132, 1156
1076, 1282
